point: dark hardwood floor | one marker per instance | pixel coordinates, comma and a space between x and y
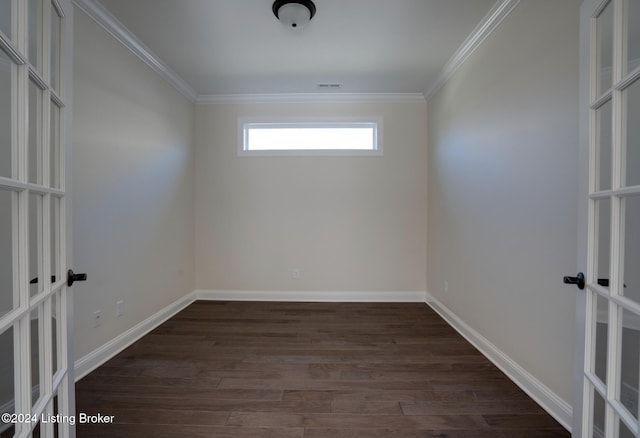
246, 369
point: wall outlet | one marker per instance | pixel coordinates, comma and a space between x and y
119, 308
295, 274
446, 286
97, 318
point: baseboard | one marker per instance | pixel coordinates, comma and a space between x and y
312, 296
545, 397
597, 432
97, 357
9, 407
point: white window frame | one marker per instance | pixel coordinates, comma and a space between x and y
245, 123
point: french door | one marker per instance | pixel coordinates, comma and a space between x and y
611, 371
36, 366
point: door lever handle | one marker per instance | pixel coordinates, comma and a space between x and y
72, 277
578, 280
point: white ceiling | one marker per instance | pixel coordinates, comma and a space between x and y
238, 47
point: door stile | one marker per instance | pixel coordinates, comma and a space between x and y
66, 393
588, 362
22, 334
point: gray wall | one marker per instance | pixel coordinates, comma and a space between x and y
503, 174
347, 223
132, 187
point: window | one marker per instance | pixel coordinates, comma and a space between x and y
310, 137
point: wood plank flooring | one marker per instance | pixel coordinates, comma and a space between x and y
307, 370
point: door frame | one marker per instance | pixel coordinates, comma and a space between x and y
583, 206
69, 430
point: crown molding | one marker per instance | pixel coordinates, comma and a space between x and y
311, 98
97, 12
119, 31
489, 23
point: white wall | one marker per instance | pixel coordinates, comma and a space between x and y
132, 187
503, 180
347, 223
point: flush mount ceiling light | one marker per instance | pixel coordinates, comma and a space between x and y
294, 13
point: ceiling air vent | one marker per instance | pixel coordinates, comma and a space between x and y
330, 86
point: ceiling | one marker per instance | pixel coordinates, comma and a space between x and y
224, 47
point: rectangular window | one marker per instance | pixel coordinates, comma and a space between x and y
310, 137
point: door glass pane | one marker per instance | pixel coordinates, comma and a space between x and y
624, 431
631, 287
604, 139
36, 284
6, 377
629, 361
55, 146
35, 356
35, 33
5, 17
598, 414
55, 49
604, 26
632, 96
57, 431
55, 239
633, 34
6, 253
601, 317
35, 151
55, 326
603, 244
6, 152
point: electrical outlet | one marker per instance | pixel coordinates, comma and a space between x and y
119, 308
446, 286
295, 274
97, 318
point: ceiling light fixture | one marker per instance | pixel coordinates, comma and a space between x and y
294, 13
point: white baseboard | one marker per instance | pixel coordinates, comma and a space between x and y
312, 296
545, 397
97, 357
597, 432
9, 407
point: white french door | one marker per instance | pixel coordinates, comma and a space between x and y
36, 366
611, 368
